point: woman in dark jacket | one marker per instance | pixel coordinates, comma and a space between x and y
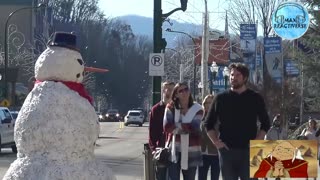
209, 151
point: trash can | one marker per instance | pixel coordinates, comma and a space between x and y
148, 163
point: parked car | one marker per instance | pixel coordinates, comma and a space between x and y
7, 129
14, 116
134, 117
112, 115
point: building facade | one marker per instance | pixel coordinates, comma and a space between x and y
28, 31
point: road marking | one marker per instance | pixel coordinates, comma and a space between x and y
121, 124
119, 129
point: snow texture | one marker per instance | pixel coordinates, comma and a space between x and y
59, 64
55, 133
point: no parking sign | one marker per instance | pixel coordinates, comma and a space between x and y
156, 64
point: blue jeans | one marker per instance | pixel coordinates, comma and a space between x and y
161, 172
209, 161
174, 172
234, 163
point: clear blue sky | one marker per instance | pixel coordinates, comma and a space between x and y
114, 8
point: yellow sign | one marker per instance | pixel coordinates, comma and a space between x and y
5, 103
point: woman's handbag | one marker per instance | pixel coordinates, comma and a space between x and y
162, 155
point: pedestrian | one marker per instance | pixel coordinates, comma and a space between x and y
156, 133
209, 151
182, 123
237, 111
310, 131
276, 132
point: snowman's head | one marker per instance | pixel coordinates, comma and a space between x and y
60, 61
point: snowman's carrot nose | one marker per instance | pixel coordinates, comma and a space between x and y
93, 69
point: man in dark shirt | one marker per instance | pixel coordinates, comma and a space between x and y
156, 134
236, 111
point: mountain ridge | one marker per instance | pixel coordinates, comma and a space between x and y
141, 25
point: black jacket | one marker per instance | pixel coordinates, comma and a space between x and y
238, 115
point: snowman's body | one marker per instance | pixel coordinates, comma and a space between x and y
55, 133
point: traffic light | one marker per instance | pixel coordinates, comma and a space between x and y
184, 5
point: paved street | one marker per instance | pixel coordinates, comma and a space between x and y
119, 148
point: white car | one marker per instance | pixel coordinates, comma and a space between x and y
134, 117
7, 129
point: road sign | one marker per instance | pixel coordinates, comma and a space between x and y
5, 103
272, 45
248, 31
156, 64
291, 68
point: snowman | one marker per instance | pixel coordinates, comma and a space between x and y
57, 126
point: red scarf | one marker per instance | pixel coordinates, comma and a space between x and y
77, 87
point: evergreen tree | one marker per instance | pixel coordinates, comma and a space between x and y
309, 54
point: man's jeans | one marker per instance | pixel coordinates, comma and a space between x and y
161, 172
209, 161
174, 172
234, 163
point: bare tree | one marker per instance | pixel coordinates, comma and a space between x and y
76, 11
250, 11
182, 54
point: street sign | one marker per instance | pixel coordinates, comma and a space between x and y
218, 83
248, 31
273, 56
291, 68
272, 45
248, 37
156, 64
5, 103
258, 61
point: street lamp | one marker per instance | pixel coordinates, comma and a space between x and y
194, 62
181, 32
6, 58
214, 68
226, 74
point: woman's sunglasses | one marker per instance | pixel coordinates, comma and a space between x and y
183, 90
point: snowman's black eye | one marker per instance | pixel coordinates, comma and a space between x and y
80, 61
78, 75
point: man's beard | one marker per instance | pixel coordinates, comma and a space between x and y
237, 85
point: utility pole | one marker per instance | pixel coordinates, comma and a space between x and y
193, 59
181, 72
159, 43
205, 53
301, 91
